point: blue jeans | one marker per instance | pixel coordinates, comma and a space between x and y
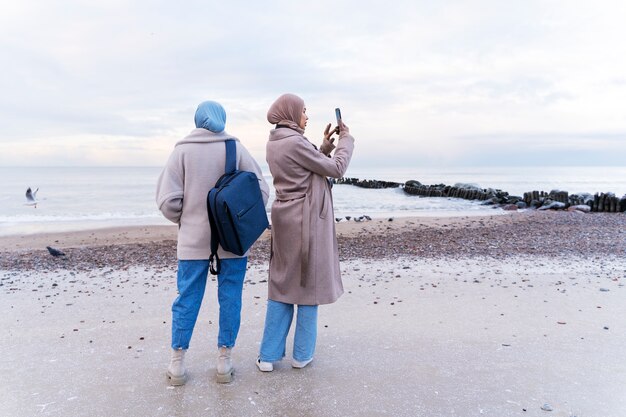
277, 323
191, 281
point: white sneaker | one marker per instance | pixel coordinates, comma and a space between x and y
300, 365
224, 366
176, 373
264, 366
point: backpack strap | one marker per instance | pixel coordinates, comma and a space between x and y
231, 156
230, 166
214, 268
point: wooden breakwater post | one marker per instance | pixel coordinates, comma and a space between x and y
537, 198
464, 191
608, 202
367, 183
599, 202
555, 199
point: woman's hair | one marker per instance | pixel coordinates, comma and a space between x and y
287, 110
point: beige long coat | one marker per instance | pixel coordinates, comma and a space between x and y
304, 263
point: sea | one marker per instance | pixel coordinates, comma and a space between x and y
80, 198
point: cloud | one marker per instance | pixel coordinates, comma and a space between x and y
412, 77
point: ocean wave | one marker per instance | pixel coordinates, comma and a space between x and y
62, 218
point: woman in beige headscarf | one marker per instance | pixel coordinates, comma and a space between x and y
304, 262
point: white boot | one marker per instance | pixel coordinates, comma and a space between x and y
299, 364
264, 366
224, 366
176, 373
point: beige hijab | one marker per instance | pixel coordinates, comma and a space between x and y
287, 110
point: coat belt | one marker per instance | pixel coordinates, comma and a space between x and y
306, 230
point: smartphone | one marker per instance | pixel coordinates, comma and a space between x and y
338, 115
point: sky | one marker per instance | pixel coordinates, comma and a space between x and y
420, 83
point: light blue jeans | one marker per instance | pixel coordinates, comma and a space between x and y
191, 281
277, 323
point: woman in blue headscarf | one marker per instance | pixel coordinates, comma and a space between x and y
195, 165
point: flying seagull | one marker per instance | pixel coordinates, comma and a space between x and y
31, 197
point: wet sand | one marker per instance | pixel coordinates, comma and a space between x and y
441, 317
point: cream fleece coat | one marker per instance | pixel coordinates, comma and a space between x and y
192, 170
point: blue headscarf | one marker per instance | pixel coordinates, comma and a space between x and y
210, 115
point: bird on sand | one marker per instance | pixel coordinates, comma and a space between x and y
31, 197
54, 252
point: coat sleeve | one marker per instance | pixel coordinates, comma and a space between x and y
315, 161
170, 186
248, 163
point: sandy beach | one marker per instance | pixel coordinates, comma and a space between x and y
521, 314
